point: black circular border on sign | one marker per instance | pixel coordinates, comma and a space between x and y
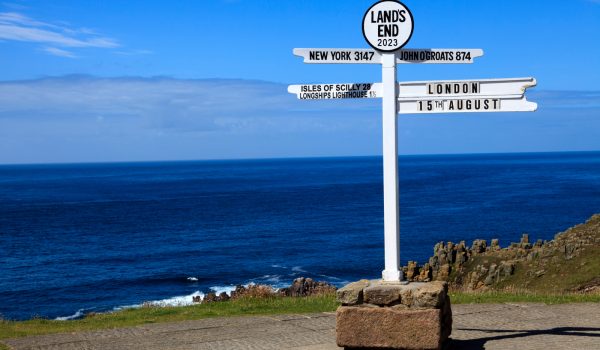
412, 27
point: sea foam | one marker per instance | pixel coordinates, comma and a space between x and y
75, 316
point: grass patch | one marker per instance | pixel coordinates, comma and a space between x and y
245, 307
145, 315
562, 275
493, 297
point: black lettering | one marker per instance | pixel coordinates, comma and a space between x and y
402, 15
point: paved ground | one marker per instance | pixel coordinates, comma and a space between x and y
492, 326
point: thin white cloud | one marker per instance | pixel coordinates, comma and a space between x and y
171, 105
83, 118
59, 52
18, 27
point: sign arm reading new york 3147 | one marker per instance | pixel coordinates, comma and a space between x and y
387, 26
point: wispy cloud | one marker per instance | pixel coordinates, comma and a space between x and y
159, 103
15, 26
59, 52
83, 118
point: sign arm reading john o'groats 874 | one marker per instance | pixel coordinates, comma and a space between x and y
388, 26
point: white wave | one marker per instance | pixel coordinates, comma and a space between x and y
270, 278
330, 277
279, 266
76, 315
193, 279
298, 269
177, 301
183, 300
220, 289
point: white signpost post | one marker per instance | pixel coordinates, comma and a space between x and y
387, 27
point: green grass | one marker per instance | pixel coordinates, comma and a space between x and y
563, 275
492, 297
245, 307
145, 315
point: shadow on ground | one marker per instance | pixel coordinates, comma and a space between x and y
479, 343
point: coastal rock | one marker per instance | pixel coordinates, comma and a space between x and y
495, 245
479, 246
412, 270
443, 273
238, 291
210, 298
425, 274
302, 287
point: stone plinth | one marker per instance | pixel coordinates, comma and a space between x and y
393, 316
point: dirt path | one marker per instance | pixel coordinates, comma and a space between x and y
492, 326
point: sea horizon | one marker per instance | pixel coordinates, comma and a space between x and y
525, 153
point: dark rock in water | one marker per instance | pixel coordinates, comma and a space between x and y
197, 299
302, 287
223, 296
238, 291
210, 298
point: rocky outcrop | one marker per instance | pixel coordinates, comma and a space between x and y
484, 266
300, 287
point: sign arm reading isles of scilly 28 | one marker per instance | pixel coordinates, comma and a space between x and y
387, 27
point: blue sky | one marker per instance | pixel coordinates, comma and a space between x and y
155, 80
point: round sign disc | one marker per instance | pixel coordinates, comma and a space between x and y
388, 25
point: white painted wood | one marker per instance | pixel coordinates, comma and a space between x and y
466, 105
456, 56
403, 56
470, 87
391, 212
336, 91
365, 56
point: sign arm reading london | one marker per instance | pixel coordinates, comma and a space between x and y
387, 26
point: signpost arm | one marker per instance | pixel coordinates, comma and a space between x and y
391, 219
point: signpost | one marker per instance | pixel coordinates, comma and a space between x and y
387, 26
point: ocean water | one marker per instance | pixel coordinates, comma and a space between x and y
98, 237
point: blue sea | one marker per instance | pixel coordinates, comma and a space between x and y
81, 238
